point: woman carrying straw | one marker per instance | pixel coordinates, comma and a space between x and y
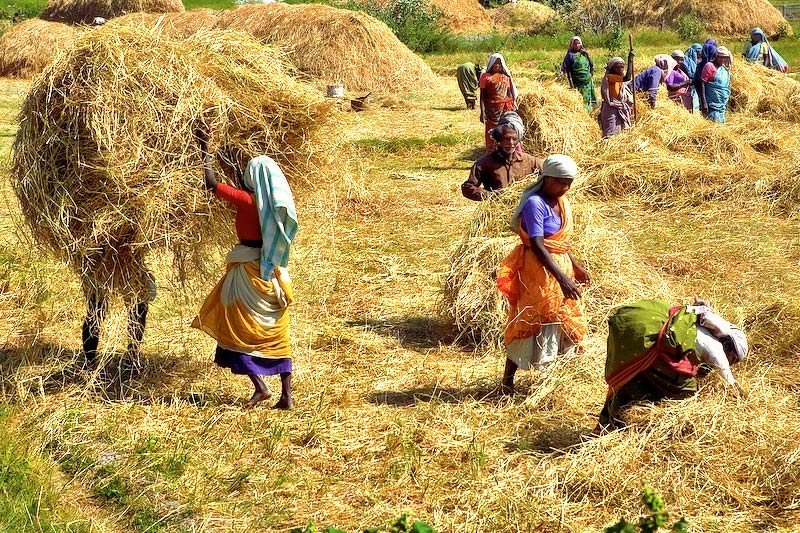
715, 81
579, 69
615, 111
247, 311
762, 52
654, 352
497, 96
540, 277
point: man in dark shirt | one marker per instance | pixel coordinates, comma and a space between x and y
502, 167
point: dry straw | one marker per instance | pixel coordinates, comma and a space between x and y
522, 16
335, 45
85, 11
28, 47
105, 163
181, 24
464, 16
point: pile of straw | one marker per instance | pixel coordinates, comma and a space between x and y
759, 91
523, 16
28, 47
464, 16
181, 24
723, 17
335, 45
105, 163
85, 11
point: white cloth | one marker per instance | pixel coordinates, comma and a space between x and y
711, 352
539, 351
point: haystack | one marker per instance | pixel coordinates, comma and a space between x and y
722, 17
759, 91
85, 11
28, 47
464, 16
106, 166
522, 16
173, 24
335, 45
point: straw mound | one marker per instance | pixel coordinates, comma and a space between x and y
464, 16
757, 90
723, 17
173, 24
28, 47
105, 163
335, 45
524, 15
85, 11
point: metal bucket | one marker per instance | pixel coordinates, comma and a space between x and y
335, 91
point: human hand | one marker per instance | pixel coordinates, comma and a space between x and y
631, 53
483, 119
740, 392
202, 138
581, 275
569, 288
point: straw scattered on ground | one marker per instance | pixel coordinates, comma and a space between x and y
181, 24
522, 16
85, 11
335, 45
27, 47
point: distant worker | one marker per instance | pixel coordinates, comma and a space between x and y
650, 79
579, 70
679, 84
689, 66
716, 86
762, 52
467, 75
497, 96
540, 277
707, 52
504, 165
655, 351
615, 109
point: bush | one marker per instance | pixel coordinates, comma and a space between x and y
690, 27
652, 523
417, 24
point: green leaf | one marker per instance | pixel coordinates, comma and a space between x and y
421, 527
681, 526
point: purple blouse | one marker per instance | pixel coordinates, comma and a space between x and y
538, 218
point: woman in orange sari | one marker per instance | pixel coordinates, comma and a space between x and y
540, 277
497, 96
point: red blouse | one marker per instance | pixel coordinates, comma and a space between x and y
246, 222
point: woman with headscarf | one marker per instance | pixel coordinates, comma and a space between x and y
762, 52
655, 351
540, 277
678, 83
715, 82
707, 52
247, 311
467, 76
689, 66
579, 69
497, 95
615, 109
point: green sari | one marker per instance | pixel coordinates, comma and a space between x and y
581, 75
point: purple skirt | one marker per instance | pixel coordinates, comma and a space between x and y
241, 363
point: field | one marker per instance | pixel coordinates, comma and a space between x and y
391, 413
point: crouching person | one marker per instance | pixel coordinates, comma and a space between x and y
654, 352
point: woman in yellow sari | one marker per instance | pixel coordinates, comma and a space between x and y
247, 311
540, 277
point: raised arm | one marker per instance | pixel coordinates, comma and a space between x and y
208, 172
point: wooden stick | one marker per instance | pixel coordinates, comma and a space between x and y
633, 75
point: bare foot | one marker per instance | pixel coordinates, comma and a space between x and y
284, 403
258, 396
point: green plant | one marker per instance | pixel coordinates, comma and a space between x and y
690, 27
613, 38
783, 31
651, 523
419, 25
402, 524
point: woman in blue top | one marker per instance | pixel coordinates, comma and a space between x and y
715, 80
762, 52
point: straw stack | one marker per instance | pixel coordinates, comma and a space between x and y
522, 16
85, 11
105, 163
335, 45
181, 24
28, 47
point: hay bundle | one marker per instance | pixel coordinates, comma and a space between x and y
105, 163
85, 11
28, 47
464, 16
173, 24
335, 45
759, 91
523, 16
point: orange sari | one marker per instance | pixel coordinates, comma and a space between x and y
534, 295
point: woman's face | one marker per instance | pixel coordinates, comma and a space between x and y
576, 45
617, 68
497, 66
755, 38
556, 187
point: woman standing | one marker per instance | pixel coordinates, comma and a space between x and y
762, 52
615, 111
579, 69
540, 277
497, 95
715, 81
247, 311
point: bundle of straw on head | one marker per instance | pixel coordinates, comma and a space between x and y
105, 163
335, 45
85, 11
28, 47
181, 24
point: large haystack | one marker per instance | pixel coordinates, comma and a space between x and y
464, 16
335, 45
721, 17
181, 24
106, 165
522, 16
85, 11
29, 46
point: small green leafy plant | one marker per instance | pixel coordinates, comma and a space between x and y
690, 27
652, 523
402, 524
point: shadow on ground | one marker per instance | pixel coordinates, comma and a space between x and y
476, 392
414, 332
556, 440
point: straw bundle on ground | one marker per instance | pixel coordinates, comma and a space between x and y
464, 16
335, 45
723, 17
522, 16
105, 163
181, 24
759, 91
85, 11
28, 47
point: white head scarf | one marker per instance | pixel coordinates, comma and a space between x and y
613, 61
513, 120
677, 54
512, 89
555, 166
719, 328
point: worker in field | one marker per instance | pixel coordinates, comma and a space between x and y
497, 96
651, 79
247, 312
689, 67
617, 98
760, 51
578, 67
655, 351
541, 278
504, 165
679, 83
467, 75
715, 82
